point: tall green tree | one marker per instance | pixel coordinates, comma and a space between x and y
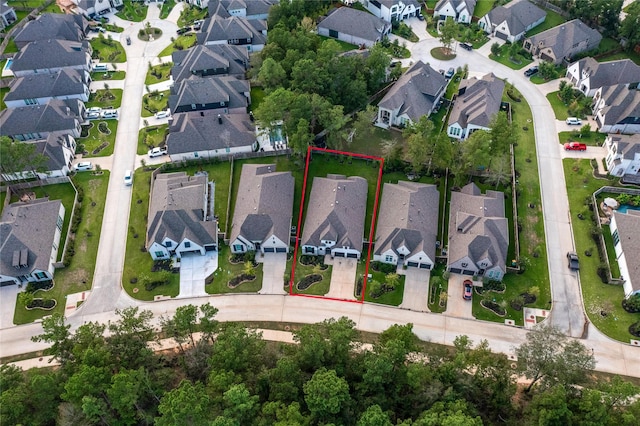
448, 31
129, 337
20, 159
326, 395
187, 404
272, 75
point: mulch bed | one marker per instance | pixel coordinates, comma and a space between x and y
242, 278
308, 281
46, 304
494, 307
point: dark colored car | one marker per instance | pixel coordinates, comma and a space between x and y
128, 39
450, 72
467, 289
466, 46
531, 71
420, 17
574, 263
183, 30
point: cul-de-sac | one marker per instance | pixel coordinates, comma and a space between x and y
458, 167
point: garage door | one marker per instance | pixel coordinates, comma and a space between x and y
455, 270
281, 250
501, 36
467, 272
352, 255
269, 249
414, 264
425, 266
339, 254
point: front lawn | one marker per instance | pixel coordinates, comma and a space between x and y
154, 102
559, 108
438, 285
167, 7
107, 76
190, 14
391, 298
404, 31
100, 140
319, 288
78, 276
105, 98
521, 60
602, 301
227, 271
183, 42
152, 136
133, 11
158, 73
113, 28
107, 50
594, 138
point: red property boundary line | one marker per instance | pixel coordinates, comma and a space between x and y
371, 230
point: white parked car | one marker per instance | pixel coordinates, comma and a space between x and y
157, 152
128, 178
93, 115
574, 121
83, 166
110, 113
163, 114
94, 109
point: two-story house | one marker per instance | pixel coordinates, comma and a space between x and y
7, 15
560, 43
392, 10
511, 21
49, 26
354, 26
250, 9
59, 149
96, 7
223, 28
37, 121
225, 95
624, 232
459, 10
50, 56
38, 89
588, 75
616, 109
623, 156
263, 210
212, 60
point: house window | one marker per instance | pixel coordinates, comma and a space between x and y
238, 247
159, 254
187, 244
464, 265
168, 244
31, 101
193, 106
616, 237
490, 275
388, 258
309, 250
59, 223
40, 275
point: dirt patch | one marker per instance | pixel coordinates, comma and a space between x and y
530, 231
82, 246
77, 276
93, 185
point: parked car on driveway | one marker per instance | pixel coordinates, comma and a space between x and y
574, 263
184, 30
466, 46
420, 17
109, 113
575, 146
467, 289
531, 71
163, 114
83, 166
157, 152
450, 72
93, 115
573, 121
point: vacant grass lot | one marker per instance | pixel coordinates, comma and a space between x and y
158, 73
133, 11
602, 301
108, 50
103, 98
79, 274
227, 271
183, 42
154, 102
594, 138
151, 136
94, 141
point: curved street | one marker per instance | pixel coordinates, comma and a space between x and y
567, 313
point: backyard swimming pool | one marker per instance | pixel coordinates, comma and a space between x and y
625, 207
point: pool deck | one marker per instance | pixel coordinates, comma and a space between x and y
6, 71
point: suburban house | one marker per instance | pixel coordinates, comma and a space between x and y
617, 109
623, 156
588, 75
29, 240
38, 89
59, 149
511, 21
250, 9
477, 103
407, 226
207, 134
181, 219
263, 210
392, 10
205, 61
37, 121
7, 15
416, 93
226, 95
50, 56
624, 231
354, 27
562, 42
335, 215
478, 233
95, 7
459, 10
223, 28
52, 26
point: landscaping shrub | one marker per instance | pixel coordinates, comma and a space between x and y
385, 268
242, 278
493, 306
39, 285
632, 304
634, 329
42, 304
308, 281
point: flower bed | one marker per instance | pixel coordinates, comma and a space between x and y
494, 307
46, 304
34, 286
308, 281
242, 278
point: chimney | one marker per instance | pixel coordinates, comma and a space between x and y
219, 119
201, 113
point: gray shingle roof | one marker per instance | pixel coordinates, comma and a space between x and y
252, 7
620, 103
176, 210
66, 82
477, 226
628, 146
55, 115
389, 3
518, 14
479, 102
198, 59
52, 26
355, 22
221, 28
51, 54
628, 225
200, 131
53, 148
30, 226
336, 211
264, 204
623, 71
471, 4
408, 216
561, 39
415, 91
208, 90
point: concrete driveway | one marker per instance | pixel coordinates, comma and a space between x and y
343, 278
416, 289
456, 305
273, 268
8, 297
194, 268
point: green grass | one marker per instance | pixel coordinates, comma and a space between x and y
3, 93
113, 28
598, 297
158, 73
102, 76
3, 195
97, 138
190, 14
635, 57
227, 271
317, 289
405, 33
154, 102
519, 62
108, 50
553, 19
183, 42
482, 8
392, 298
167, 6
155, 136
102, 98
344, 46
133, 11
439, 53
374, 144
611, 252
79, 274
443, 287
257, 96
11, 46
594, 138
559, 108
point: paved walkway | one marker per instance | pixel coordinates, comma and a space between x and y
416, 290
273, 269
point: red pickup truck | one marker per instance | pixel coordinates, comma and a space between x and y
575, 146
